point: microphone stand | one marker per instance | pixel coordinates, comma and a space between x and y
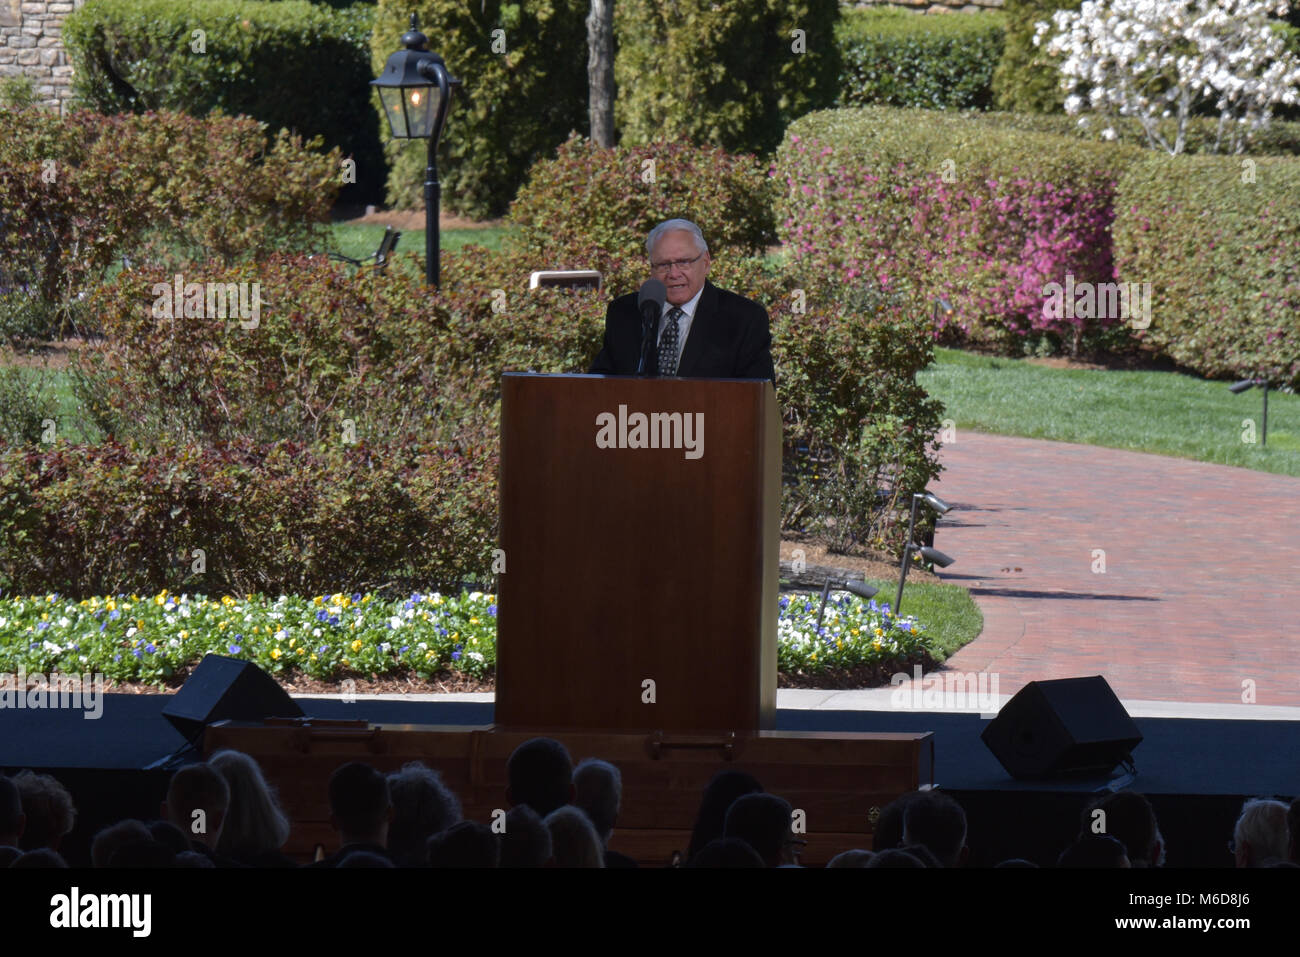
649, 320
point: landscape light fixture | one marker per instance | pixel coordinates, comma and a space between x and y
932, 555
861, 589
942, 307
1239, 387
415, 89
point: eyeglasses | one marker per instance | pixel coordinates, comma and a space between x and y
674, 264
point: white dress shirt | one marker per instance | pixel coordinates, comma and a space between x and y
683, 323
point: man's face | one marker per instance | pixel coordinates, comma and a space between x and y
683, 282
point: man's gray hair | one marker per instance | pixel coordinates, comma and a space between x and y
574, 841
600, 791
1263, 826
672, 226
423, 806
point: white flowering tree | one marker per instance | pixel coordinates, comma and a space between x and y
1157, 59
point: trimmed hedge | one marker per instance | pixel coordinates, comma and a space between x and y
899, 58
282, 517
984, 217
1279, 138
381, 351
1026, 80
260, 59
513, 108
236, 441
591, 208
1220, 253
722, 72
78, 192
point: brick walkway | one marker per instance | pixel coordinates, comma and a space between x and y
1201, 588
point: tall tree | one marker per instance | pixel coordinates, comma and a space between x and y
600, 71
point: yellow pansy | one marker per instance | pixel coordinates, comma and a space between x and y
275, 653
356, 644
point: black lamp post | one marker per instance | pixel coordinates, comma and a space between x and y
415, 89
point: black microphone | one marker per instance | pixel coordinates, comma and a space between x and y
650, 302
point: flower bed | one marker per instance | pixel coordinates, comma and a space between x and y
150, 639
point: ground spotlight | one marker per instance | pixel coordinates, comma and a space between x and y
1239, 387
930, 554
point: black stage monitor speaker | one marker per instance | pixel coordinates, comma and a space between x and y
1073, 726
227, 688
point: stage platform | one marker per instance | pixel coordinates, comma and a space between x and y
1196, 771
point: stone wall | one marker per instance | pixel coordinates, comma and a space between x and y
30, 47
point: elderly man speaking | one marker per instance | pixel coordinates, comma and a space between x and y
703, 331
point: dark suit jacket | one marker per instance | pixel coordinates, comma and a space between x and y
729, 339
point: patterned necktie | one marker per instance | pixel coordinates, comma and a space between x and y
668, 343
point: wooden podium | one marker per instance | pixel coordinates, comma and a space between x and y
636, 623
640, 520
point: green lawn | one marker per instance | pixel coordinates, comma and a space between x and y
950, 616
1162, 412
359, 240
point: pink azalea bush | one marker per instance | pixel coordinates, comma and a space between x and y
983, 219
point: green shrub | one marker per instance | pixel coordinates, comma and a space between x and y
857, 442
26, 401
81, 191
241, 518
900, 58
261, 59
1220, 253
374, 356
1279, 138
723, 72
513, 107
1026, 81
593, 208
17, 92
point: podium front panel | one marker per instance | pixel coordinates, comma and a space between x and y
640, 526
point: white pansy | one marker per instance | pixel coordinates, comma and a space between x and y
395, 622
